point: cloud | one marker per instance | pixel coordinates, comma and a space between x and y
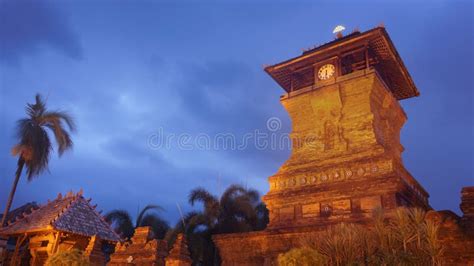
196, 70
218, 97
111, 160
26, 27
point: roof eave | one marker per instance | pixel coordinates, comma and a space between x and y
324, 48
331, 46
21, 232
401, 65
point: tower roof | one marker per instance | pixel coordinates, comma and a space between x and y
71, 213
390, 65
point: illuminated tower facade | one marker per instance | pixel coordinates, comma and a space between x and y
343, 101
342, 98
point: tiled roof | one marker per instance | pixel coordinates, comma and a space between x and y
22, 210
72, 214
390, 64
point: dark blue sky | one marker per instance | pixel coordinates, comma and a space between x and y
127, 69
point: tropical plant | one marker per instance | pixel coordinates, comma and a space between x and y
34, 144
262, 216
121, 220
199, 243
234, 211
433, 247
301, 257
72, 257
341, 244
237, 210
406, 238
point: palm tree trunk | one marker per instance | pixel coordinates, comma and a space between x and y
21, 163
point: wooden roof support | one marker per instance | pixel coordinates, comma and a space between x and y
57, 240
19, 242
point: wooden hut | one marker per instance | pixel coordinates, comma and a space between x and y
62, 224
5, 242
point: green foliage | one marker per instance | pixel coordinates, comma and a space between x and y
34, 144
407, 238
238, 209
123, 225
301, 257
73, 257
344, 244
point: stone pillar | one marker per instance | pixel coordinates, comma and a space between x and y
467, 207
179, 254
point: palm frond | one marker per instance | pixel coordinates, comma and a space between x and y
54, 121
261, 209
159, 225
253, 195
231, 192
53, 117
144, 210
117, 216
37, 109
34, 139
121, 221
180, 227
63, 139
203, 196
198, 219
187, 222
262, 216
34, 144
240, 207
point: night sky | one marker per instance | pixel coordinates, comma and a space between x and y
130, 70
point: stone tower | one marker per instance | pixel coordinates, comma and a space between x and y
342, 98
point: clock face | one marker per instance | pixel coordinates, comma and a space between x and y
326, 71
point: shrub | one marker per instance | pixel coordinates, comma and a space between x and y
343, 244
407, 238
301, 257
73, 257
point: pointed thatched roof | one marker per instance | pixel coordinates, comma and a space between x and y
71, 213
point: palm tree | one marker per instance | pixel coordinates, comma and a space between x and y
238, 210
124, 226
196, 241
34, 144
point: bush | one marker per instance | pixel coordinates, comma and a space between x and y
301, 257
73, 257
405, 239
